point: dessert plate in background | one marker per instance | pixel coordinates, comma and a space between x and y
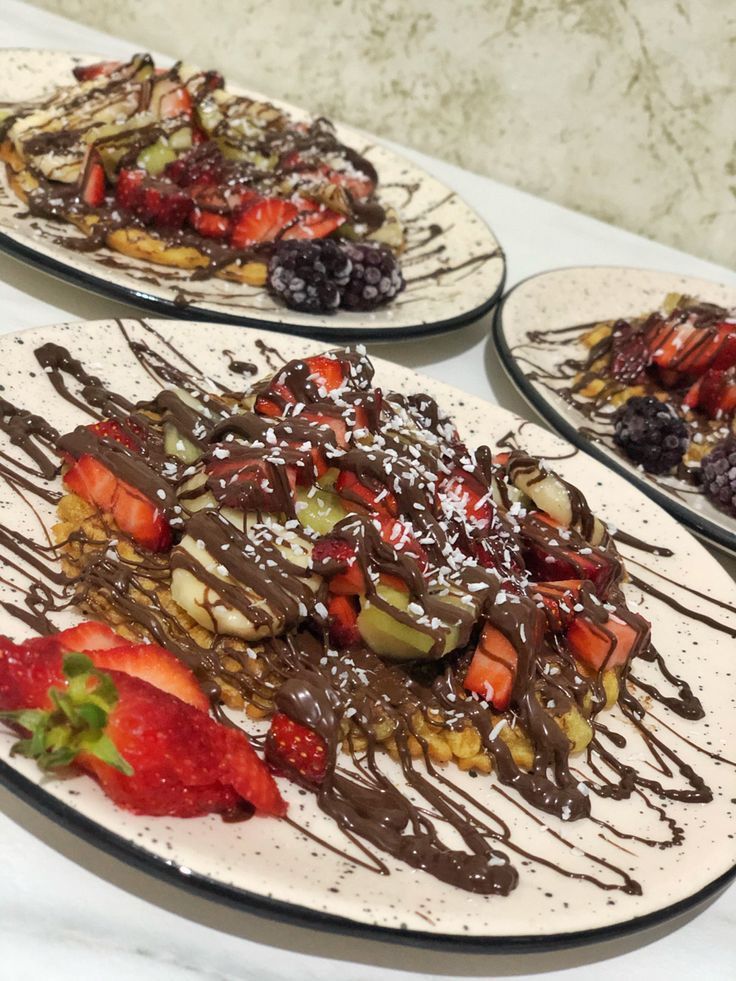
272, 867
453, 266
583, 296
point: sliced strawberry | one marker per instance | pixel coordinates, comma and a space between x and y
461, 492
273, 401
133, 513
315, 221
372, 494
92, 180
554, 558
247, 483
327, 372
559, 599
202, 167
398, 536
335, 559
88, 636
630, 354
210, 223
492, 670
128, 435
606, 645
157, 666
154, 201
332, 421
263, 221
174, 102
128, 188
296, 751
714, 394
343, 622
691, 350
359, 185
85, 73
151, 752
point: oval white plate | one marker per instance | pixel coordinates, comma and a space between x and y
585, 295
265, 865
453, 275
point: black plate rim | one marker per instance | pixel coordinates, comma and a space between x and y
283, 911
702, 526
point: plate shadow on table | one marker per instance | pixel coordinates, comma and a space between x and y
310, 942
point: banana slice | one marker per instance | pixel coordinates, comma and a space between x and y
203, 584
555, 496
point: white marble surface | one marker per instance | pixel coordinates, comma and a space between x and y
68, 910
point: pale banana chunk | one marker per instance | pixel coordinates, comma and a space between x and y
550, 494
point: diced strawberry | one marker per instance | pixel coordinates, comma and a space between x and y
294, 750
315, 221
371, 494
128, 188
462, 492
246, 482
630, 354
154, 201
133, 513
714, 394
335, 559
398, 536
151, 752
559, 600
92, 180
606, 645
210, 223
343, 622
129, 436
359, 186
492, 670
202, 167
175, 102
157, 666
334, 422
85, 73
558, 559
327, 372
273, 401
262, 221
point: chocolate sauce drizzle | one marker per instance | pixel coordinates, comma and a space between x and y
352, 695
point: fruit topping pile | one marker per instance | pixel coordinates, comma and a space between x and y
337, 560
667, 382
165, 164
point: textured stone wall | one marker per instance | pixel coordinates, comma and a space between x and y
624, 109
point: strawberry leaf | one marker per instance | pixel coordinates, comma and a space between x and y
76, 723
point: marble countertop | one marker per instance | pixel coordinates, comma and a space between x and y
68, 909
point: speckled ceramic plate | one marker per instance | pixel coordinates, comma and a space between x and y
267, 866
453, 265
565, 297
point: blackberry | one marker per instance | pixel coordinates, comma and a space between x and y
309, 275
375, 277
650, 433
718, 475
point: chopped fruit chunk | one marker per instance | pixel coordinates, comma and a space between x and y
492, 671
314, 222
295, 751
372, 495
343, 622
714, 393
559, 599
154, 201
327, 372
128, 434
387, 633
335, 422
249, 483
690, 350
85, 73
462, 492
210, 223
262, 221
151, 752
609, 644
133, 513
335, 560
93, 181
